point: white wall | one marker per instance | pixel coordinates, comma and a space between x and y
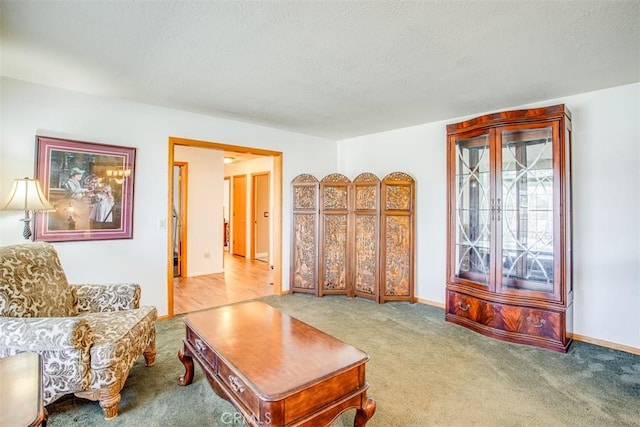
29, 110
606, 205
204, 209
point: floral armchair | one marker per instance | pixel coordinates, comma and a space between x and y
89, 336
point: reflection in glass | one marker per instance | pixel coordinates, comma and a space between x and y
472, 209
527, 214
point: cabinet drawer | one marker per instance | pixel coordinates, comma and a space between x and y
529, 321
238, 388
509, 318
465, 306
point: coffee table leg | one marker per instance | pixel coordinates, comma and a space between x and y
187, 361
365, 413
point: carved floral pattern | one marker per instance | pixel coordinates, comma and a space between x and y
303, 178
398, 176
335, 252
366, 197
335, 177
304, 251
366, 177
335, 197
366, 254
398, 197
304, 197
398, 261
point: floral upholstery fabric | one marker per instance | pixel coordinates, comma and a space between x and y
93, 346
97, 298
64, 344
33, 284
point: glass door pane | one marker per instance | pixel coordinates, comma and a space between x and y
473, 232
526, 211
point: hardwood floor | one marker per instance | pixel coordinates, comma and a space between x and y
243, 279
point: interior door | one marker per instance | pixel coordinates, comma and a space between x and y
239, 216
179, 218
261, 214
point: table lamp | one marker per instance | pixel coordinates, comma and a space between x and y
26, 195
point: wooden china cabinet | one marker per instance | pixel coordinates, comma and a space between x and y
509, 272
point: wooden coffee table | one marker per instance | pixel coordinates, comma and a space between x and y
275, 369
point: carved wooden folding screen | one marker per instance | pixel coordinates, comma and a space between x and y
397, 240
366, 228
354, 238
304, 234
335, 228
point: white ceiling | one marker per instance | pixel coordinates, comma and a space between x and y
329, 68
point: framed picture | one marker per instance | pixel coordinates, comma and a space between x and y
91, 187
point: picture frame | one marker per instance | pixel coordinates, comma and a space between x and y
91, 187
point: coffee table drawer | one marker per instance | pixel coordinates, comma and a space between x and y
316, 396
238, 387
202, 349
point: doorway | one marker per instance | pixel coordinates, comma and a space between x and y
275, 214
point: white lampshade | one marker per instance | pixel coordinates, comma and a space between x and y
26, 195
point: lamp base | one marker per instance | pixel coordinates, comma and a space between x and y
26, 232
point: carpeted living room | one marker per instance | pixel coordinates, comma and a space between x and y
441, 197
422, 372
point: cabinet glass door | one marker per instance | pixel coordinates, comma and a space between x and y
472, 222
524, 211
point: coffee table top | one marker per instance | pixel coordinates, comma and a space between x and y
275, 352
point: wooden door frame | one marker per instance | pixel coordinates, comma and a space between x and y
254, 219
184, 209
276, 197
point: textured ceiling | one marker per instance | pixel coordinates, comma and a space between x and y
328, 68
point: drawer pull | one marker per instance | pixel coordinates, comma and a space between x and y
200, 345
463, 307
536, 325
236, 384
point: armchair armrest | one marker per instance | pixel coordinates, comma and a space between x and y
38, 334
64, 344
97, 298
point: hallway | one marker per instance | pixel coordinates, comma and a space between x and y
243, 279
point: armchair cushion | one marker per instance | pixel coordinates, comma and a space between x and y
33, 284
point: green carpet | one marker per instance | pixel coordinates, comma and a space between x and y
422, 372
